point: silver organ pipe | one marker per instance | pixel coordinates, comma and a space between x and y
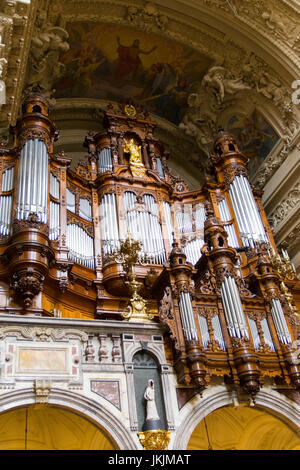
204, 331
105, 160
160, 167
109, 223
85, 209
7, 182
254, 333
144, 226
187, 316
280, 322
6, 201
184, 218
267, 334
200, 216
194, 239
54, 186
71, 198
233, 308
192, 250
81, 246
32, 194
225, 217
246, 212
218, 331
169, 222
54, 217
151, 220
54, 220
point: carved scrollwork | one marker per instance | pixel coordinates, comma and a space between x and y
31, 222
258, 316
232, 170
167, 314
240, 342
87, 227
27, 283
207, 283
31, 134
222, 272
43, 333
80, 192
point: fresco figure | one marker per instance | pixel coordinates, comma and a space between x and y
129, 60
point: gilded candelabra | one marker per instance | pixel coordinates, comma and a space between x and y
283, 265
128, 254
286, 270
289, 298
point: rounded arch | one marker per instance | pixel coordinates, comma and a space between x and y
45, 427
86, 408
152, 349
266, 400
242, 428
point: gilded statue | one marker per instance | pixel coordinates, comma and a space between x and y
135, 160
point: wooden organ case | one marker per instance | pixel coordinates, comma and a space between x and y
207, 268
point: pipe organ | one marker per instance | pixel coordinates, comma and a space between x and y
202, 266
6, 201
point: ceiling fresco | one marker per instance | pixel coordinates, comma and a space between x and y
115, 62
255, 136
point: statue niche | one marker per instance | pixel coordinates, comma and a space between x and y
148, 393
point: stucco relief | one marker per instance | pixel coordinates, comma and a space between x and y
283, 209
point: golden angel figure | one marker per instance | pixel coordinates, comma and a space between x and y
135, 161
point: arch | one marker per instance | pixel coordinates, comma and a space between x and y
242, 428
83, 406
46, 427
267, 400
151, 349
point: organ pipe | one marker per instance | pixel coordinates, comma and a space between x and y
145, 227
254, 333
193, 243
225, 217
280, 322
160, 167
109, 223
54, 186
70, 200
32, 190
105, 160
217, 331
6, 202
85, 209
204, 331
81, 246
7, 179
54, 220
187, 316
169, 221
246, 212
233, 308
267, 334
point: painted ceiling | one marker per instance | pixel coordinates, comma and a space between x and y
115, 62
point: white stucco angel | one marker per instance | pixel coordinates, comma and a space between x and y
222, 81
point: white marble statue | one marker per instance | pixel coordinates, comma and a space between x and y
149, 395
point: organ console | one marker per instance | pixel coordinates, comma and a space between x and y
204, 261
